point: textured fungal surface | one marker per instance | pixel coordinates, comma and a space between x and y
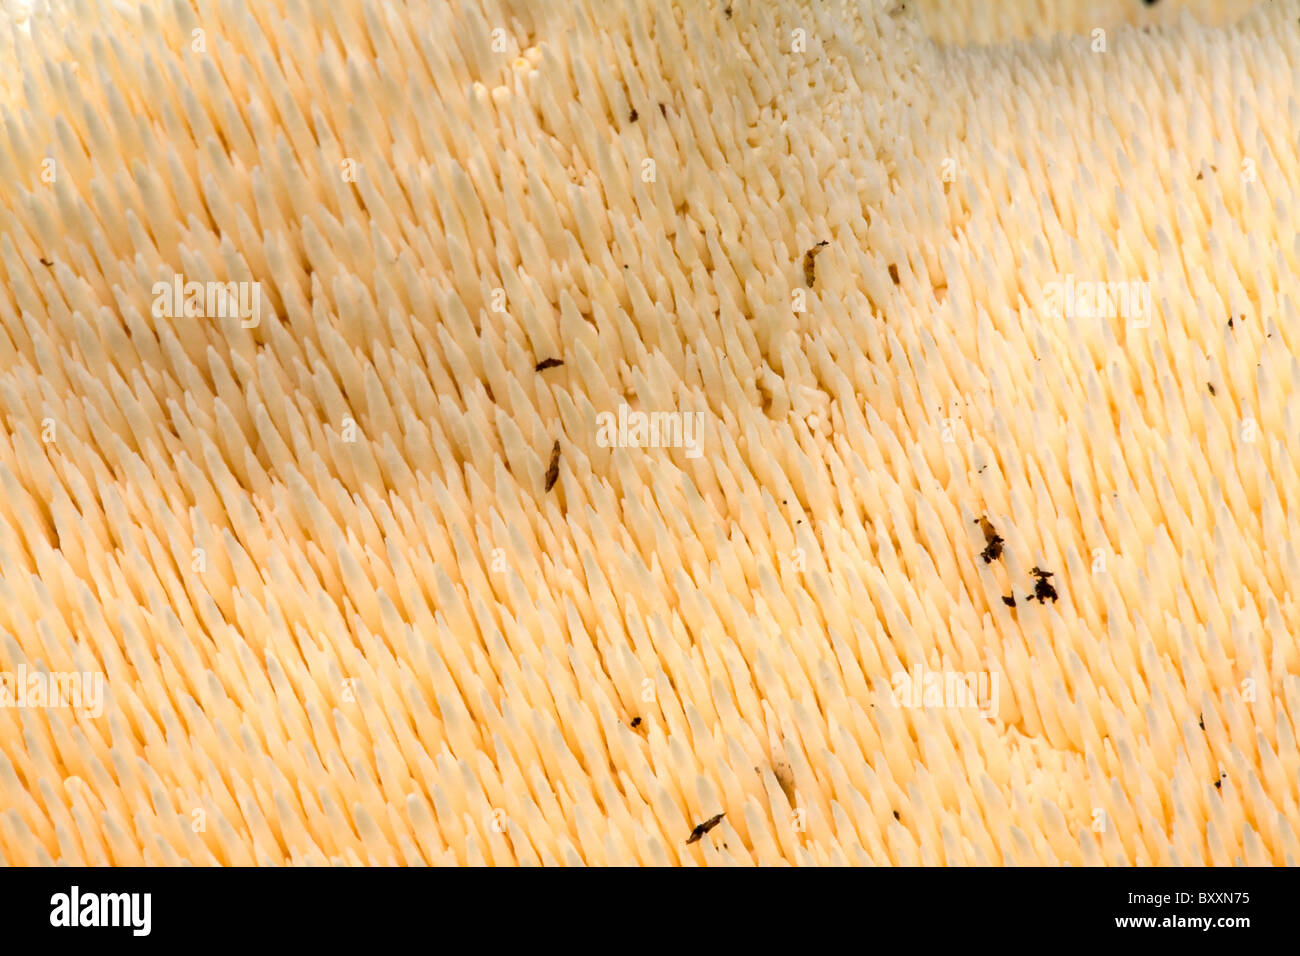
963, 22
652, 432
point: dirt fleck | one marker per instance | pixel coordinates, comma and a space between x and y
553, 470
704, 828
810, 263
992, 540
1043, 589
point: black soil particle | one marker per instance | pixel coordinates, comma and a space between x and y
1043, 590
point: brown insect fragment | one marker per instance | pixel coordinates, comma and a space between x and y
632, 116
896, 816
663, 110
47, 262
636, 721
553, 470
1200, 719
704, 828
893, 273
727, 11
1009, 600
544, 364
810, 263
1210, 387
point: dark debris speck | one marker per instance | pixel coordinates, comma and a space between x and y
992, 540
1043, 589
553, 470
704, 828
810, 264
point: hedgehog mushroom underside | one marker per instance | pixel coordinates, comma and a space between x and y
586, 450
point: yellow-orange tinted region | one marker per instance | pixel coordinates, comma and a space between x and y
648, 432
